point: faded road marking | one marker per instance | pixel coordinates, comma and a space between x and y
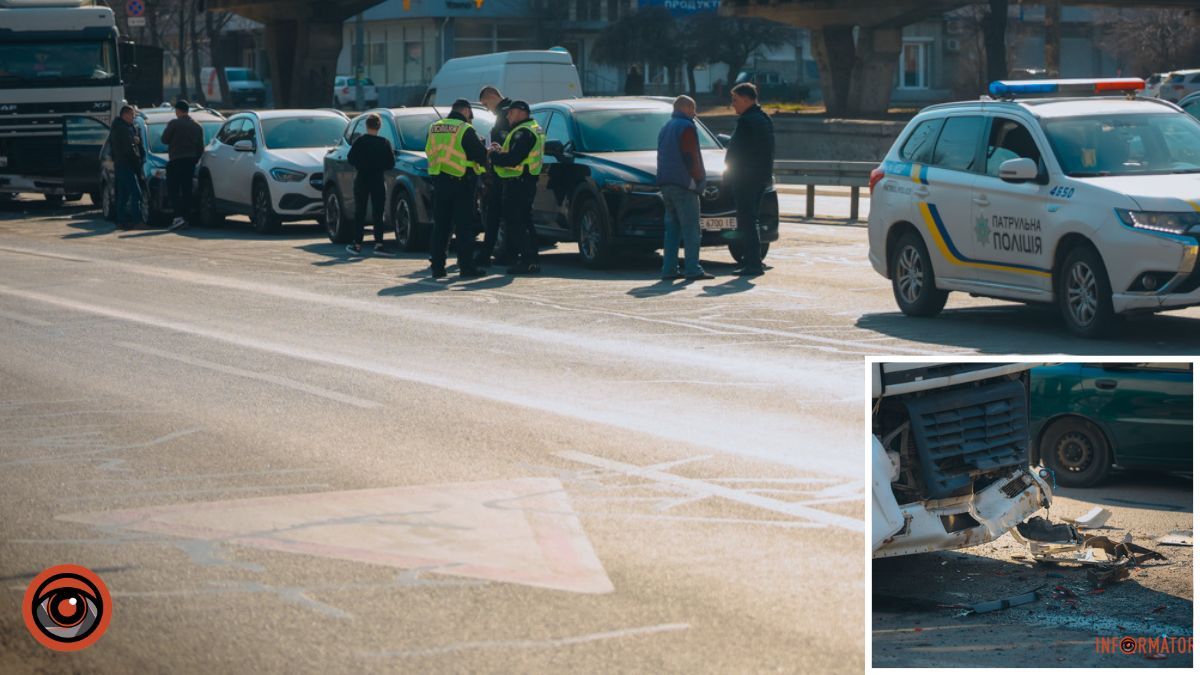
534, 644
798, 510
262, 377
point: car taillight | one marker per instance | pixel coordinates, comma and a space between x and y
876, 176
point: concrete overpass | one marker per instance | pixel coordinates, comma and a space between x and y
303, 40
857, 78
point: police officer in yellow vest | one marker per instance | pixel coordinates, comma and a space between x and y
518, 163
456, 157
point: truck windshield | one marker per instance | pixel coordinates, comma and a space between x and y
628, 130
1125, 144
59, 63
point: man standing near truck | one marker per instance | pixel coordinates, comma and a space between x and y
184, 139
456, 158
518, 163
493, 197
126, 146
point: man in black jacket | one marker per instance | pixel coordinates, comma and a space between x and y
750, 162
493, 196
184, 139
125, 144
371, 155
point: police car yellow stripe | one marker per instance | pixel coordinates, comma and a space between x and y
945, 245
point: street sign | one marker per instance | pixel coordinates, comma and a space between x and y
135, 8
136, 21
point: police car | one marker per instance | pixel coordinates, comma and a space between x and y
1049, 191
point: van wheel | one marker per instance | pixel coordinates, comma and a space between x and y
913, 283
1076, 451
595, 235
265, 219
409, 236
209, 215
1084, 294
335, 218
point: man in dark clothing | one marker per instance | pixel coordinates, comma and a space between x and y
125, 144
184, 139
635, 84
750, 163
371, 155
493, 196
518, 163
456, 157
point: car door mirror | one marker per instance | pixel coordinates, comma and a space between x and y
724, 139
244, 145
1020, 170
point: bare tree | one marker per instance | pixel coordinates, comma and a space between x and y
1149, 41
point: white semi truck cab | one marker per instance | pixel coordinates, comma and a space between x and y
60, 88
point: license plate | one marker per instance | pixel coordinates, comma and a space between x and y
718, 224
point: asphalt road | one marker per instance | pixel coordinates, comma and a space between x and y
280, 458
916, 621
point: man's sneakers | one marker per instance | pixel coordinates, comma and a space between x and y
471, 273
437, 271
702, 276
354, 249
178, 224
749, 272
673, 276
380, 250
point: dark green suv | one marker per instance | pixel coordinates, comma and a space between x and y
1087, 417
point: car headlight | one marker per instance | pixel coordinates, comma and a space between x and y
287, 175
634, 187
1171, 222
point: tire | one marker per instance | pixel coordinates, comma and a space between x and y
335, 218
54, 199
150, 215
210, 216
595, 235
1076, 451
738, 253
108, 202
1084, 295
266, 221
913, 283
410, 236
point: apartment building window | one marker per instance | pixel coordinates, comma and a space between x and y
914, 64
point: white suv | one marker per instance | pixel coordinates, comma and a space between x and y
268, 165
1092, 203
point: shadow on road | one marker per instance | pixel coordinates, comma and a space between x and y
1139, 490
1021, 329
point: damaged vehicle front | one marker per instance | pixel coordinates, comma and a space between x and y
950, 455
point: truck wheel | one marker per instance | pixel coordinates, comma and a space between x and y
335, 218
265, 219
595, 235
913, 283
738, 253
1084, 294
409, 236
209, 215
1076, 451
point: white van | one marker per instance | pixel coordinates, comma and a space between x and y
246, 88
532, 76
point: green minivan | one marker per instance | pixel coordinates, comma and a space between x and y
1087, 417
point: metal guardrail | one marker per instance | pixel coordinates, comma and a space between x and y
854, 175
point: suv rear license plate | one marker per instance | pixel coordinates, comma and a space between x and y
718, 224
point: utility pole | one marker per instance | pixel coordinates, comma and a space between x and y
1053, 37
358, 60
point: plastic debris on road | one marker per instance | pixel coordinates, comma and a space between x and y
1097, 517
1177, 538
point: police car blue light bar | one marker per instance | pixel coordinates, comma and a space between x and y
1013, 88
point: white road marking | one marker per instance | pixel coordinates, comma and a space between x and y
797, 510
22, 318
262, 377
533, 644
39, 254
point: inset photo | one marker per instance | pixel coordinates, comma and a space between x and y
1030, 515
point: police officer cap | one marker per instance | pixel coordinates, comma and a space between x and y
461, 103
517, 105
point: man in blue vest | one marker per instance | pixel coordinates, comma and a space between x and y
681, 176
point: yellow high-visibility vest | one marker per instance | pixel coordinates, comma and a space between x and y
533, 161
444, 148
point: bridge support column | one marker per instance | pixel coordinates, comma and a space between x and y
303, 54
857, 79
833, 47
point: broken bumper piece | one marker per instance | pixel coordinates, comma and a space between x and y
970, 520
